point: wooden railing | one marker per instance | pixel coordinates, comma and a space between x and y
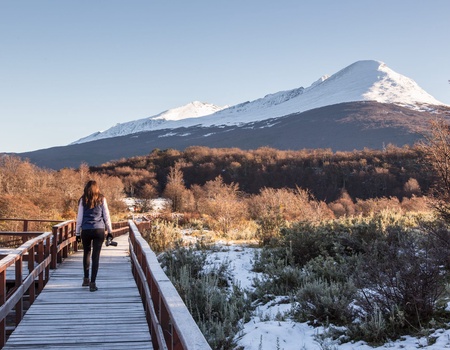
41, 253
119, 228
34, 251
13, 238
25, 223
63, 242
171, 325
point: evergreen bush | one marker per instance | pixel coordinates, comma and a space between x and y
321, 301
218, 306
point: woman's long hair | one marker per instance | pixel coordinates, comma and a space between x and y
92, 196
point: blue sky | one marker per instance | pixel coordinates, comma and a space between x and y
69, 68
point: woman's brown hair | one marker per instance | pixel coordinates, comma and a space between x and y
92, 196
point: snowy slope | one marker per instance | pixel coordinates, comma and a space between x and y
272, 327
194, 109
361, 81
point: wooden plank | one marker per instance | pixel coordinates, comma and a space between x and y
66, 315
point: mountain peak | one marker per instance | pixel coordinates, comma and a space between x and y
365, 80
193, 109
367, 64
371, 80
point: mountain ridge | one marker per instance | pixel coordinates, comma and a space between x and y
365, 80
380, 107
195, 109
342, 127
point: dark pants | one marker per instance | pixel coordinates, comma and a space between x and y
92, 238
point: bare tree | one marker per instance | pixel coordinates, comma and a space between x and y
222, 204
436, 150
176, 190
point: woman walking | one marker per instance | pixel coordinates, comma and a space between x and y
92, 221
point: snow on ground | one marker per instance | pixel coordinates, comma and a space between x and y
240, 261
270, 328
158, 204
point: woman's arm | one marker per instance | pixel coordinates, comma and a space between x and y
106, 216
79, 218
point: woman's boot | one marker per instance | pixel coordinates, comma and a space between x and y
85, 282
92, 287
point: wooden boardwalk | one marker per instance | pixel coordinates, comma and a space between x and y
66, 315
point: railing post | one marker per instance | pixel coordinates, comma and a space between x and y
54, 249
39, 259
60, 252
65, 235
25, 229
2, 302
32, 289
164, 320
19, 305
47, 252
72, 229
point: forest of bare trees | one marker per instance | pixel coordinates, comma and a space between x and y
362, 174
229, 187
29, 192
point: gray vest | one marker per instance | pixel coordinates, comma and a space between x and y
93, 218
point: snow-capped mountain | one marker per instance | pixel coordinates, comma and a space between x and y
362, 81
365, 105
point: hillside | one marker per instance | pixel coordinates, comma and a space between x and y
342, 127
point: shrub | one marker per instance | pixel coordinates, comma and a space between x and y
222, 206
273, 209
186, 257
321, 301
163, 235
403, 272
385, 270
373, 328
217, 306
308, 241
338, 269
344, 236
15, 206
278, 281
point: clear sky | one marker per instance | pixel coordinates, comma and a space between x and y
69, 68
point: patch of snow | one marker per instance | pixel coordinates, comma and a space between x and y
240, 261
271, 326
168, 134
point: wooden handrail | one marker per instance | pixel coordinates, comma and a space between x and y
63, 241
171, 325
170, 322
37, 251
26, 221
119, 228
42, 253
